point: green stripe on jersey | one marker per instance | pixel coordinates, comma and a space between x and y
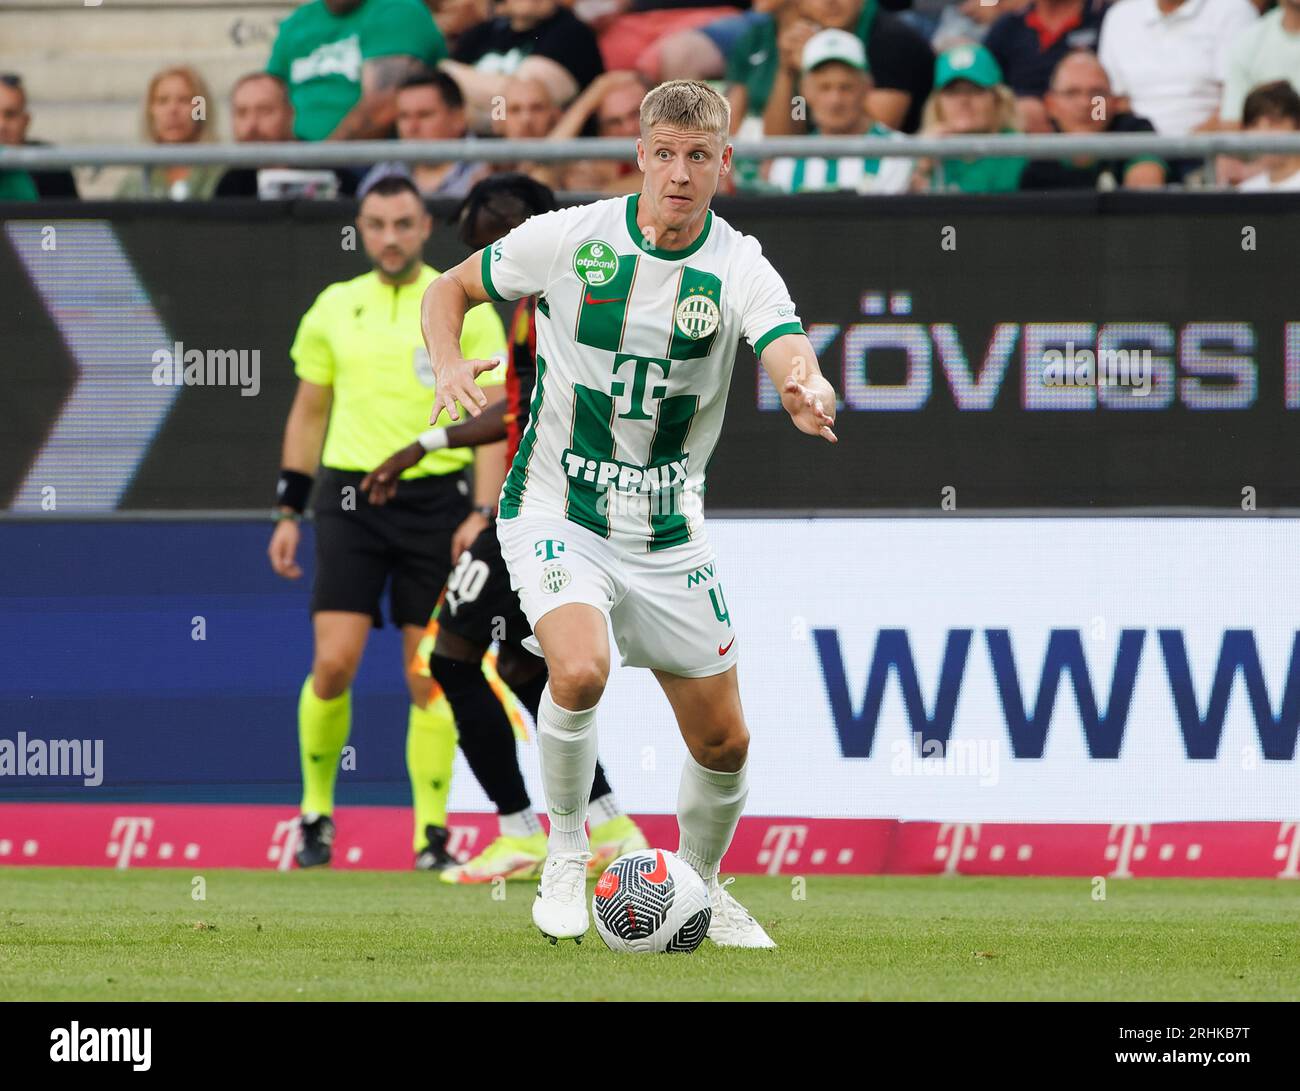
517, 479
774, 333
696, 317
668, 526
602, 312
591, 436
486, 269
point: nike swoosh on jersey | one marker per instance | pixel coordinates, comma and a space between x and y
724, 651
617, 299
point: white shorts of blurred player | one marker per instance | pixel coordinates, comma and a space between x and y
667, 608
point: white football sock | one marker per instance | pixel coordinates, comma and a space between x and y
520, 824
709, 804
567, 741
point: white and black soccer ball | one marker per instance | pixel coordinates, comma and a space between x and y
651, 901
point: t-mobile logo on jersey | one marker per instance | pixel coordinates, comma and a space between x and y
548, 549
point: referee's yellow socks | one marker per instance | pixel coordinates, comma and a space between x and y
322, 733
430, 750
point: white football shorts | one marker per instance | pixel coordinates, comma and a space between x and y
667, 608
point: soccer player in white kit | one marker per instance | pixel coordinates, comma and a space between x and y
641, 303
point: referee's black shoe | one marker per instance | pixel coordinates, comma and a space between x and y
435, 856
317, 832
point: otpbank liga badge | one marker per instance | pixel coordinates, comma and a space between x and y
595, 263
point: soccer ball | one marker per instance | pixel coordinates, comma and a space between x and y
649, 902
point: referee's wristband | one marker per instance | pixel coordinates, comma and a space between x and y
293, 489
433, 439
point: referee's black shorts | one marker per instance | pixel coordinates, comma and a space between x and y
405, 544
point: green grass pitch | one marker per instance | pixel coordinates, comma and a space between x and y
98, 934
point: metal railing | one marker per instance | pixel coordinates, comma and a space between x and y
354, 153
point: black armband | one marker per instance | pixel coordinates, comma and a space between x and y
293, 490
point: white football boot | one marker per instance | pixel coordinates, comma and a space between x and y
560, 908
732, 926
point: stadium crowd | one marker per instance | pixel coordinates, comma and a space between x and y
453, 69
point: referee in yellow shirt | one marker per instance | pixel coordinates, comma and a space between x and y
365, 387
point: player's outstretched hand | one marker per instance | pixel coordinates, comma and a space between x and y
454, 382
380, 484
808, 407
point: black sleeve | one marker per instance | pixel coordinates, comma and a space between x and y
995, 40
237, 182
571, 43
471, 45
901, 60
55, 183
1132, 123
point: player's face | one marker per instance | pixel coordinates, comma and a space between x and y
423, 115
259, 111
682, 168
393, 231
836, 96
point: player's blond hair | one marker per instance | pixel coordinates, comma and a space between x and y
686, 104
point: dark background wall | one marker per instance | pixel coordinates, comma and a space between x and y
1173, 265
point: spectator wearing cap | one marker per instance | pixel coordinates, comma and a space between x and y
343, 61
177, 111
1273, 107
899, 59
1263, 51
1079, 101
537, 40
835, 81
431, 107
20, 185
969, 98
612, 106
1028, 46
1168, 58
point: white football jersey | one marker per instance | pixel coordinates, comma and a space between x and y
635, 347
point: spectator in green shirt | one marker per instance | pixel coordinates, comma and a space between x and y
343, 61
835, 79
177, 110
17, 185
969, 98
20, 185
